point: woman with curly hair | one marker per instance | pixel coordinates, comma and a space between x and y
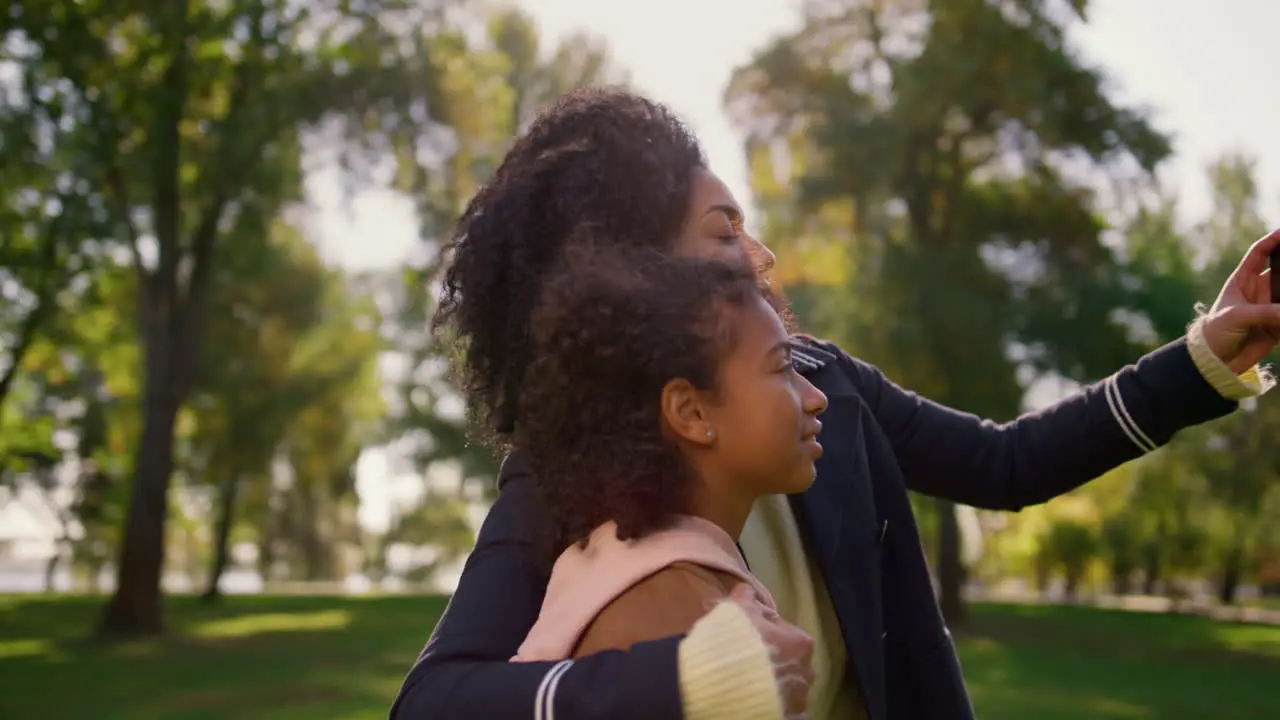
842, 560
661, 403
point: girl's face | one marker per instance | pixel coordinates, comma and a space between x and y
713, 227
763, 418
756, 433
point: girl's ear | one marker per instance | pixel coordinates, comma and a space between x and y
685, 412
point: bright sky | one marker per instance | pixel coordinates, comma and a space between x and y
1203, 68
1208, 71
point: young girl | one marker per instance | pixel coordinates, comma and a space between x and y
661, 402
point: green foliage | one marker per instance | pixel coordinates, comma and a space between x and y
164, 309
948, 151
1207, 506
185, 124
1120, 543
936, 178
509, 75
1069, 545
289, 370
943, 131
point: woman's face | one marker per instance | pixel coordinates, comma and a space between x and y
714, 226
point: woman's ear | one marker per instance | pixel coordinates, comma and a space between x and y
685, 412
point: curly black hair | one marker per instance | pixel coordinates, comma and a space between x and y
612, 327
603, 158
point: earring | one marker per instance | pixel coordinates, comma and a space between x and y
710, 434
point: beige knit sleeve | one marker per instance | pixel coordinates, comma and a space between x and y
1253, 382
725, 670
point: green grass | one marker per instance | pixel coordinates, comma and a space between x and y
343, 658
1048, 662
254, 657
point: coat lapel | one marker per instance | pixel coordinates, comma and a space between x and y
839, 511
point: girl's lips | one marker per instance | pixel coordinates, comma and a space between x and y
812, 431
810, 438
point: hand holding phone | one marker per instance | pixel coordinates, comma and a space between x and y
1242, 330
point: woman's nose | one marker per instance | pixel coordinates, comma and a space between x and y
762, 258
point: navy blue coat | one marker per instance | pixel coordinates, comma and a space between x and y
880, 441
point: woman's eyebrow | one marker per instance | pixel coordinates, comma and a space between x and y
782, 347
734, 213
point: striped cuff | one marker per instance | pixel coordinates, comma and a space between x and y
1252, 383
725, 670
1115, 402
544, 703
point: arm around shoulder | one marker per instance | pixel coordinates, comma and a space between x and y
464, 671
724, 665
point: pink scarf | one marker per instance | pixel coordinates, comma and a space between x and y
585, 580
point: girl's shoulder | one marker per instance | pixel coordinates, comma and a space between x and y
664, 604
671, 576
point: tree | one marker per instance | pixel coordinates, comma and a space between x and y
1070, 545
324, 441
929, 148
499, 83
1233, 456
188, 114
250, 383
49, 216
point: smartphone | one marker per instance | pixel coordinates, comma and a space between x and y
1275, 275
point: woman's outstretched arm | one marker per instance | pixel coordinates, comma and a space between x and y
1006, 466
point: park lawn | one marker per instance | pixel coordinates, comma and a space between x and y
343, 658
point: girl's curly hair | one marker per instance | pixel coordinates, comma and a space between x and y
612, 327
603, 158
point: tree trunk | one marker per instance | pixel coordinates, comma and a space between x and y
135, 607
1151, 567
51, 568
1229, 582
267, 553
62, 550
1121, 581
94, 567
222, 536
1043, 573
1071, 584
950, 572
315, 561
